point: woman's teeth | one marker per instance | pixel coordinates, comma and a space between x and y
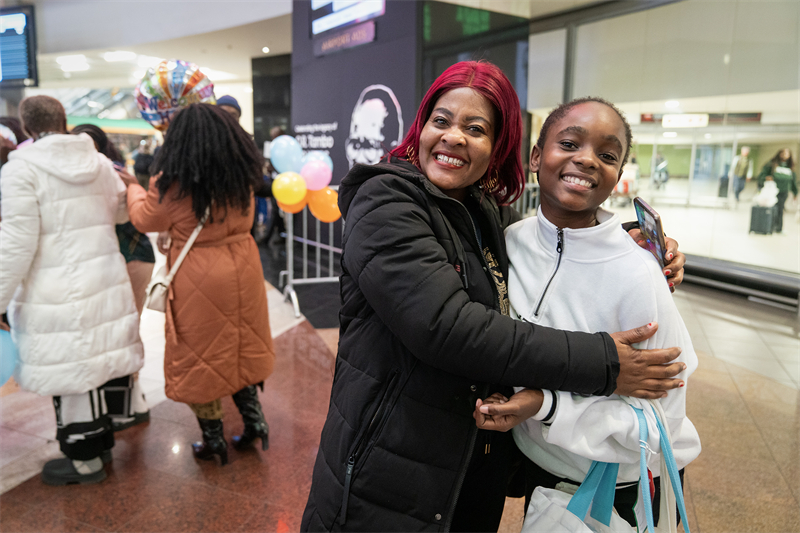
578, 181
449, 160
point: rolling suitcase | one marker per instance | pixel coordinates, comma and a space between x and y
762, 219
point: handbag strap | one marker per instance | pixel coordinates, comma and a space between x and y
644, 479
669, 459
597, 490
187, 246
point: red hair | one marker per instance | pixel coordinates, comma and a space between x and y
490, 82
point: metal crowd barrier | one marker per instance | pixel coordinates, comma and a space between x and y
528, 203
324, 252
288, 278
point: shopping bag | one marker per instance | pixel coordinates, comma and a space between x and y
555, 511
9, 357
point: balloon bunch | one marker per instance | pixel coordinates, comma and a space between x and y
303, 180
168, 87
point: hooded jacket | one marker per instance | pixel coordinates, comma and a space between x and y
421, 339
73, 315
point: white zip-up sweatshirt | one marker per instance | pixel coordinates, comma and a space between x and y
600, 280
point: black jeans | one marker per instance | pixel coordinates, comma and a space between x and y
624, 498
777, 224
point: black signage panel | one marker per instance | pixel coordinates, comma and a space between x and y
355, 103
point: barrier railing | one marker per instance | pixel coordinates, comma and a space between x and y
288, 278
322, 253
528, 203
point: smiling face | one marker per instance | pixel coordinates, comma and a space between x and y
580, 164
455, 145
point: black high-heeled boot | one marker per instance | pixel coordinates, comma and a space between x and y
213, 441
255, 426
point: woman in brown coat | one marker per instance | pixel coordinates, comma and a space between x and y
218, 340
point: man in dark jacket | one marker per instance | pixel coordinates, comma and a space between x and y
421, 339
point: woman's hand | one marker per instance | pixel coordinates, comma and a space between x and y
673, 270
499, 413
163, 242
126, 178
645, 373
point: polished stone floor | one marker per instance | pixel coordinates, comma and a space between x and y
743, 399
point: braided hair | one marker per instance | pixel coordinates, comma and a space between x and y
210, 158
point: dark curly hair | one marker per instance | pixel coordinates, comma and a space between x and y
210, 158
561, 111
101, 142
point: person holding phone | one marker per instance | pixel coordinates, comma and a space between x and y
598, 280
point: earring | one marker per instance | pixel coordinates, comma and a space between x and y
411, 157
490, 181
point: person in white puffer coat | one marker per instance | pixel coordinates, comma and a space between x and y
64, 284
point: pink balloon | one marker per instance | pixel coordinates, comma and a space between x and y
317, 175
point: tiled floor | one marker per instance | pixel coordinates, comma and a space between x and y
743, 399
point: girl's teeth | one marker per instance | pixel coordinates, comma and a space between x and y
583, 183
449, 160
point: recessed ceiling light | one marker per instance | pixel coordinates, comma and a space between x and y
119, 55
671, 104
71, 60
670, 134
75, 67
265, 49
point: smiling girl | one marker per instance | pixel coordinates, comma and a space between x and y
573, 267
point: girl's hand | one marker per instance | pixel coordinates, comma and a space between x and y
163, 242
673, 270
499, 413
126, 178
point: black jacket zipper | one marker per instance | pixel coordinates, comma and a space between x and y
560, 251
351, 461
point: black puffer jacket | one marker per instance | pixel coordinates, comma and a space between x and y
419, 343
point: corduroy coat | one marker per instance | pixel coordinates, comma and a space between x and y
218, 338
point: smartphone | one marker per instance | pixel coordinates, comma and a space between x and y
650, 226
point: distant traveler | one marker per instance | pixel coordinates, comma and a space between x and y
218, 340
124, 397
71, 306
780, 169
742, 170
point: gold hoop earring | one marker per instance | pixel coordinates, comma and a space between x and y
490, 181
411, 157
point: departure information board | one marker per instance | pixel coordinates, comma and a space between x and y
331, 14
17, 47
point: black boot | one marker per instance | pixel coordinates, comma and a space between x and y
213, 441
255, 426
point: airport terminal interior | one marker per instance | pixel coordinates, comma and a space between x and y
711, 91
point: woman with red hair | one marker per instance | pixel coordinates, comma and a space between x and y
425, 330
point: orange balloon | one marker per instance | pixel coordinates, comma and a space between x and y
294, 208
323, 204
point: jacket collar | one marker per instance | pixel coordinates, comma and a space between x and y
594, 244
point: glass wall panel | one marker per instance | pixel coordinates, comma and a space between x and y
736, 64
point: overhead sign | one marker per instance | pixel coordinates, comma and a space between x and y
347, 38
685, 120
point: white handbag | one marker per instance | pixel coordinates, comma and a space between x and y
555, 511
158, 289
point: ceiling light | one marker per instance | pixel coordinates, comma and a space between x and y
248, 89
92, 104
119, 56
671, 104
670, 134
217, 75
265, 49
148, 61
75, 67
71, 60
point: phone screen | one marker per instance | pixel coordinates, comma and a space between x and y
650, 226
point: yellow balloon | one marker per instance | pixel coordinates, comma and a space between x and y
289, 188
323, 204
295, 208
